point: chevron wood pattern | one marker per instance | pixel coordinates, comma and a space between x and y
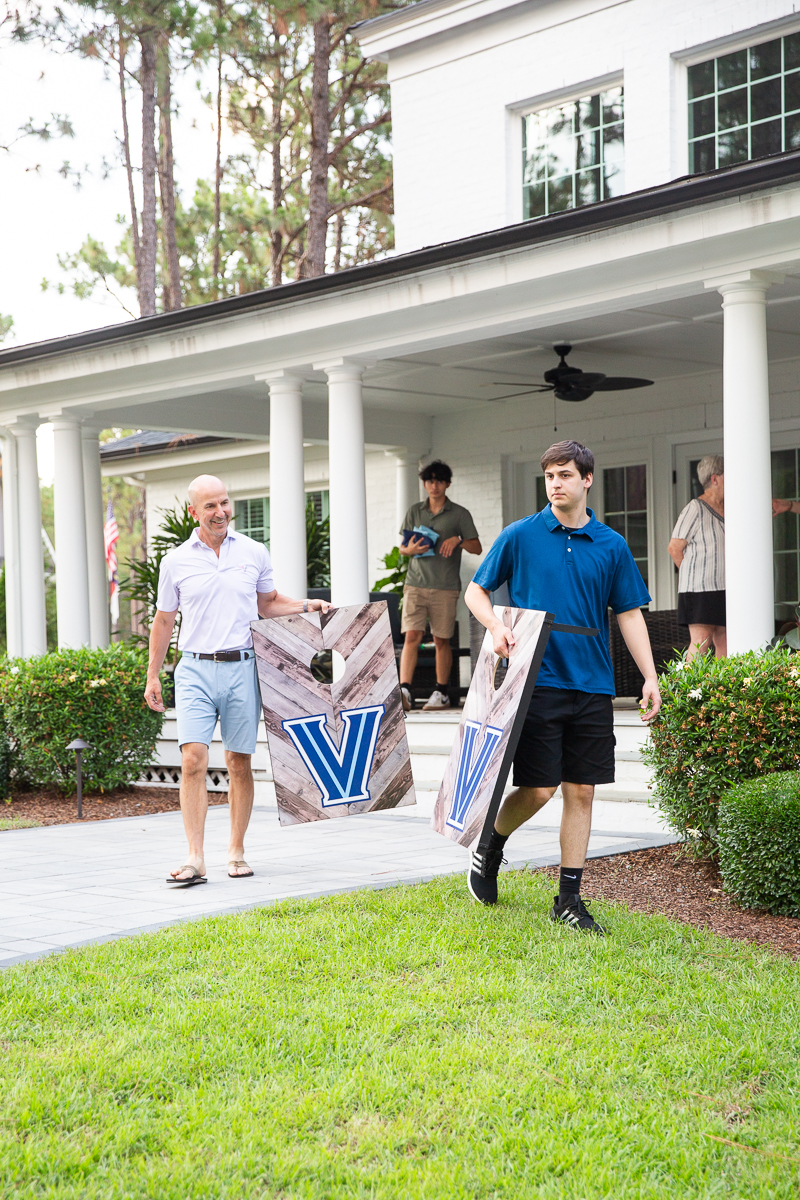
460, 812
285, 648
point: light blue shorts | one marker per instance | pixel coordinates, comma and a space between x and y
206, 690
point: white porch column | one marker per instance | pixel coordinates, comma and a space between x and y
407, 485
750, 591
287, 495
11, 544
99, 633
72, 577
31, 554
348, 490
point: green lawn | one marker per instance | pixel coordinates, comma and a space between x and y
403, 1043
17, 823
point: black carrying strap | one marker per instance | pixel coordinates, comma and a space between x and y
584, 632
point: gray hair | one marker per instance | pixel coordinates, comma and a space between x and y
710, 464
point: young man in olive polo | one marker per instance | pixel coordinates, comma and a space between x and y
433, 583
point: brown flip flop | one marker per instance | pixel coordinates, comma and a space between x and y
238, 862
196, 877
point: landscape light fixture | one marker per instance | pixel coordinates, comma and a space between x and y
79, 745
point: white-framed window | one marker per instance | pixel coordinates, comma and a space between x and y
626, 510
744, 104
573, 153
252, 518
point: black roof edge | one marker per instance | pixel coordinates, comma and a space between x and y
685, 192
184, 442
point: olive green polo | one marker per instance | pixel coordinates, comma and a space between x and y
438, 572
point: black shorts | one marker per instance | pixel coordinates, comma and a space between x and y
567, 737
701, 608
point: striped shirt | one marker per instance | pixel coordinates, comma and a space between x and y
703, 566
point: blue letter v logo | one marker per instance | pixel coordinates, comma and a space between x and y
469, 774
341, 775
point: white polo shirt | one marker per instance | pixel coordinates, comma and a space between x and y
216, 595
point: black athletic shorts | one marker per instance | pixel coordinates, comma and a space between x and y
567, 737
701, 608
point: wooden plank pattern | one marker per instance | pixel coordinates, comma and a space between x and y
465, 793
285, 648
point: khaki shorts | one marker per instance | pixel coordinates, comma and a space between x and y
433, 606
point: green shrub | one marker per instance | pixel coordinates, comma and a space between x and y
97, 695
723, 720
5, 762
758, 835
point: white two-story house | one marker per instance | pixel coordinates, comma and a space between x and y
620, 177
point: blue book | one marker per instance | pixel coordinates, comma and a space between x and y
428, 536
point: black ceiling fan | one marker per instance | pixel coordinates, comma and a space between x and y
570, 383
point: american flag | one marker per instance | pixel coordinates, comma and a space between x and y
111, 537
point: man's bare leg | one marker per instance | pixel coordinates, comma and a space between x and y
194, 804
240, 801
720, 639
519, 806
444, 659
576, 823
409, 653
701, 639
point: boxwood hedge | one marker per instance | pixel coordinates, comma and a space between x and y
723, 720
97, 695
758, 834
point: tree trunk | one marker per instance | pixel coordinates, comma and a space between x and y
126, 150
276, 235
320, 137
166, 180
218, 177
147, 245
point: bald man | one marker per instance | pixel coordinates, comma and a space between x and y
220, 581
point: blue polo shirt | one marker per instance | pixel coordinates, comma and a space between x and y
575, 574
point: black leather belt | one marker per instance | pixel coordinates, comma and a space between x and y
224, 655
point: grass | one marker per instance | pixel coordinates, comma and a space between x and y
17, 823
403, 1043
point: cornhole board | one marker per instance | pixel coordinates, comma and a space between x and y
491, 724
337, 747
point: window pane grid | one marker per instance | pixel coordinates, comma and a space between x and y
625, 493
786, 533
745, 105
573, 154
252, 518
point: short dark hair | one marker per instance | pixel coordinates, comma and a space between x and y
436, 470
564, 452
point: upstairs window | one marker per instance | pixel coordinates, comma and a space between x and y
745, 105
573, 154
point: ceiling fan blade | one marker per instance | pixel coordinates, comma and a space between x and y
621, 383
509, 395
534, 387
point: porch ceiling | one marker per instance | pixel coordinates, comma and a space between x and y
661, 341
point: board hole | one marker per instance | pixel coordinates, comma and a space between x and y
328, 666
500, 672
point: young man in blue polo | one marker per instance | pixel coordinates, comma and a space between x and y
563, 560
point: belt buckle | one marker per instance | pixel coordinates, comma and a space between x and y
219, 656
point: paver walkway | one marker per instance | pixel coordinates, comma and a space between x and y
68, 885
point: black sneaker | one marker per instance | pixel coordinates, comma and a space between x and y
482, 875
575, 913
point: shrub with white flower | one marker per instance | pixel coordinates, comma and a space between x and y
723, 721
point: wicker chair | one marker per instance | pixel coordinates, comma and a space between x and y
666, 636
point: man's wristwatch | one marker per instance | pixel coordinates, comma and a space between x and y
305, 606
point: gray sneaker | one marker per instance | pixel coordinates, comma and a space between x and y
437, 700
407, 698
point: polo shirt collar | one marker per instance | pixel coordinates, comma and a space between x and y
552, 522
194, 539
447, 506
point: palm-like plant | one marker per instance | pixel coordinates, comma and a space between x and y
318, 549
141, 585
